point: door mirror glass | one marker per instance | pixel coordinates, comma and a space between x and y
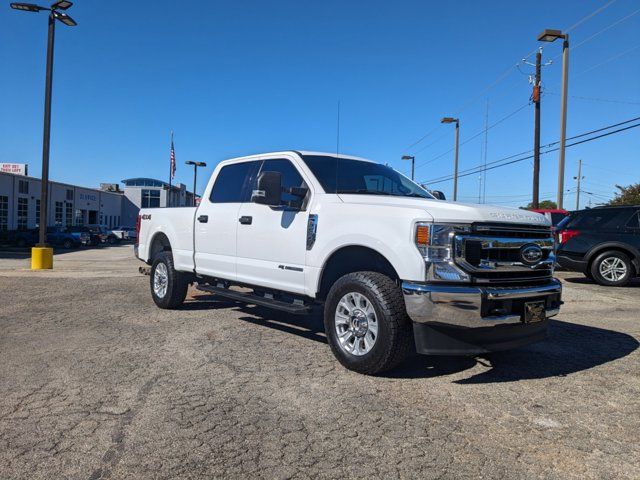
269, 191
438, 194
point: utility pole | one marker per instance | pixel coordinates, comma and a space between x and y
455, 156
579, 178
536, 132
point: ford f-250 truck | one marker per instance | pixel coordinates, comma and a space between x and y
393, 267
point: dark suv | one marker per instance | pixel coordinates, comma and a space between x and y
603, 243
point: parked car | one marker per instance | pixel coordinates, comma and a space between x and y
85, 235
105, 235
602, 243
63, 237
125, 233
554, 215
57, 236
393, 267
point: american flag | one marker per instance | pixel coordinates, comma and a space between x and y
172, 158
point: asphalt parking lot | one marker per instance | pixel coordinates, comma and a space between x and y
96, 382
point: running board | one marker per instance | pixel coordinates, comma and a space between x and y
296, 308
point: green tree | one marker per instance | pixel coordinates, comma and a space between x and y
629, 195
544, 204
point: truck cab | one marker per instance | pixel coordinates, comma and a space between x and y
392, 267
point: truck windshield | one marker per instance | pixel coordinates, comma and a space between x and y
344, 175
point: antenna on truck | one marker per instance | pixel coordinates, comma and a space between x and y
337, 144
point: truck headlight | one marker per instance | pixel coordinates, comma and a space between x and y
435, 244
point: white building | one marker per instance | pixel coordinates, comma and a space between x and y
74, 205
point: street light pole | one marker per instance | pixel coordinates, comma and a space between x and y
195, 175
41, 255
413, 163
455, 156
46, 137
550, 36
563, 118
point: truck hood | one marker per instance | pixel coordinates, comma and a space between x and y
452, 212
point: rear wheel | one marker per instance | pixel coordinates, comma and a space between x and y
67, 244
612, 269
168, 286
366, 322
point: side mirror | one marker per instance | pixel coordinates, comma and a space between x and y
269, 191
438, 194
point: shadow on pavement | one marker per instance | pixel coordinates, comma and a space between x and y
570, 347
310, 327
635, 283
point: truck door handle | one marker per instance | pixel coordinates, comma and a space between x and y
245, 220
203, 218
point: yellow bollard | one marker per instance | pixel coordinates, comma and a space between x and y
41, 258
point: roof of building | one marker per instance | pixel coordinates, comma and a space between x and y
151, 182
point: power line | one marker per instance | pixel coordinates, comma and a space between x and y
591, 37
593, 99
478, 170
592, 14
610, 59
545, 146
475, 135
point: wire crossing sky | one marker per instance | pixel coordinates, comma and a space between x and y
233, 78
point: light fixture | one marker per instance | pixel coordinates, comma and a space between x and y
27, 7
64, 18
550, 35
449, 120
61, 5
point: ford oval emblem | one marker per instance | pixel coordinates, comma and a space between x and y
531, 254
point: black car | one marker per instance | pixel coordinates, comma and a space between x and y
603, 243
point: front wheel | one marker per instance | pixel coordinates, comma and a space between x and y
168, 286
612, 269
366, 322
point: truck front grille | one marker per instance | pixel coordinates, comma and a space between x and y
506, 253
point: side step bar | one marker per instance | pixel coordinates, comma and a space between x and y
297, 307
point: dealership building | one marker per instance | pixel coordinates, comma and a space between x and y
68, 205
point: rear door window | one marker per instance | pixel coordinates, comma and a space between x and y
232, 182
634, 221
601, 219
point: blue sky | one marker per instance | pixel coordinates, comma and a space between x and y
233, 78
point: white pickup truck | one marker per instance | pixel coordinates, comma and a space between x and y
393, 267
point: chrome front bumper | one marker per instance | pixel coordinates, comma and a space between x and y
472, 307
470, 320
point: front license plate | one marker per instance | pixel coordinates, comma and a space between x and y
534, 312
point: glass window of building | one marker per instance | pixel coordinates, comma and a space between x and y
37, 211
79, 217
58, 213
23, 187
150, 198
70, 194
23, 213
4, 213
69, 214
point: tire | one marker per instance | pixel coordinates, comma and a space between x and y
111, 240
612, 268
588, 274
393, 337
67, 244
176, 283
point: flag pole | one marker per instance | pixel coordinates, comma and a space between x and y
170, 171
